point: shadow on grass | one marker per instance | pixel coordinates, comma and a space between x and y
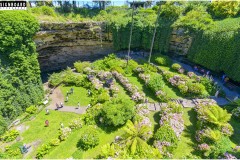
149, 93
236, 126
156, 117
191, 131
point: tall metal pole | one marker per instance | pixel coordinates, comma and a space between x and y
154, 34
130, 38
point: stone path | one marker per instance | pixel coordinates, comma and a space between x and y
229, 93
57, 97
186, 103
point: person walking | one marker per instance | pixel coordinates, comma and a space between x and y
46, 123
61, 104
67, 99
78, 105
71, 90
47, 112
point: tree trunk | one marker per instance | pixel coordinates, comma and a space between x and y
130, 38
154, 34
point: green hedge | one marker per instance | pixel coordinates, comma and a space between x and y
218, 48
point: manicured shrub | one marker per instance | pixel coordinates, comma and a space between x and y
43, 150
176, 66
9, 136
13, 151
31, 110
79, 66
117, 111
196, 89
175, 107
64, 133
163, 60
89, 139
55, 79
209, 86
76, 123
54, 142
166, 136
156, 82
220, 147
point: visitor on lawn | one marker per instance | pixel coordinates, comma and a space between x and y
47, 112
67, 93
71, 90
78, 104
67, 99
61, 104
57, 105
46, 123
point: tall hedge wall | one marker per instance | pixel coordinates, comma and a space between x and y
219, 48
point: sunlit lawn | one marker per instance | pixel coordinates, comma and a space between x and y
68, 147
80, 95
187, 142
149, 93
38, 132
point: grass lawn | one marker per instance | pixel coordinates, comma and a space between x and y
187, 142
235, 138
150, 94
80, 95
38, 131
122, 93
70, 145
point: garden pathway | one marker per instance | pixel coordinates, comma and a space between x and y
229, 93
186, 103
57, 97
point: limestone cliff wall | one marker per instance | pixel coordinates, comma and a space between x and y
179, 42
61, 44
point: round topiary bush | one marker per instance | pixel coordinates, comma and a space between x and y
89, 139
163, 60
176, 66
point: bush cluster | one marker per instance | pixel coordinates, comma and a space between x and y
9, 136
89, 139
213, 130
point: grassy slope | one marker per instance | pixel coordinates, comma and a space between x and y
70, 145
151, 96
38, 131
186, 144
80, 94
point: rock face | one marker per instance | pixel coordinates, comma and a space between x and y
179, 42
61, 44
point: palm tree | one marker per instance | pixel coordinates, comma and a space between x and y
216, 115
130, 38
154, 33
135, 137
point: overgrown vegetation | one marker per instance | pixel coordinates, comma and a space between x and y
20, 83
